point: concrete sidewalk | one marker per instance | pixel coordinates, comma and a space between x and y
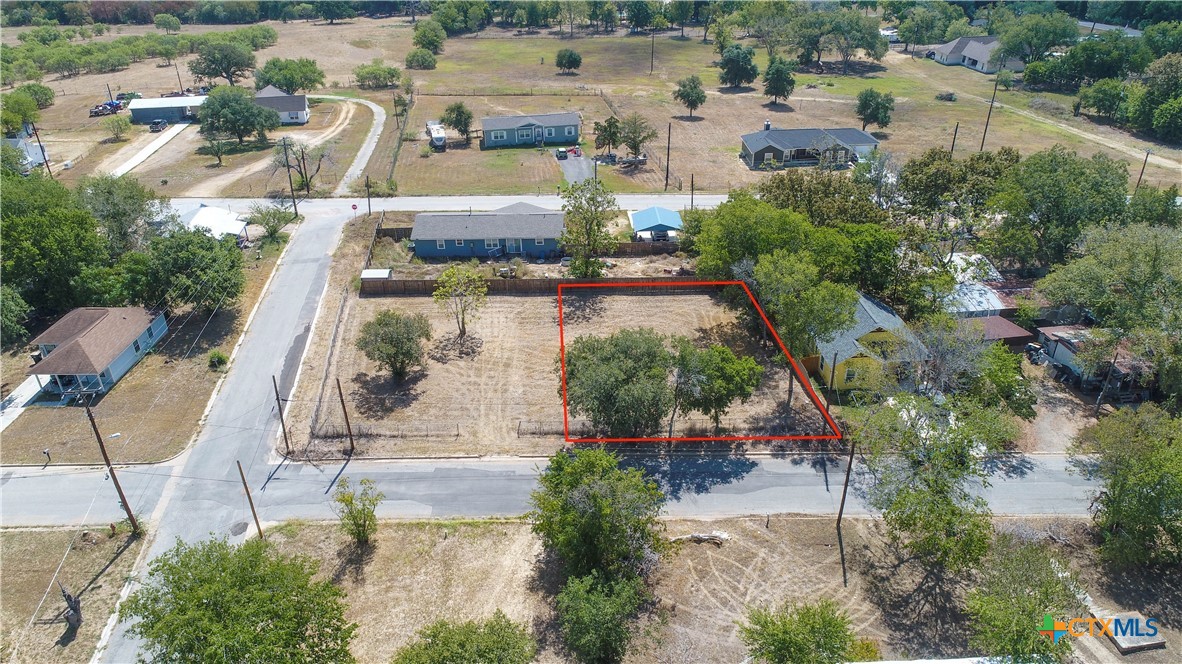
14, 404
142, 156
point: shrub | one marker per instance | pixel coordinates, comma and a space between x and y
946, 96
420, 58
217, 360
1047, 106
425, 151
357, 509
42, 94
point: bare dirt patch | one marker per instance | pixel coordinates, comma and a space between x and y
154, 417
502, 396
1060, 414
95, 569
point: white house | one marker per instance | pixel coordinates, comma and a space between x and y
976, 53
220, 222
292, 109
91, 348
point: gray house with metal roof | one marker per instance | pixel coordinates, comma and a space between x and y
772, 148
292, 109
513, 130
871, 343
976, 53
518, 230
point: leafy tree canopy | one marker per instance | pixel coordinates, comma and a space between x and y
496, 639
231, 110
395, 341
690, 93
819, 633
568, 60
430, 35
291, 76
129, 214
594, 615
589, 209
738, 66
228, 60
208, 601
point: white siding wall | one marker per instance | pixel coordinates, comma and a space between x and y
129, 356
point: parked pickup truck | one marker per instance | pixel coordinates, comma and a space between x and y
639, 160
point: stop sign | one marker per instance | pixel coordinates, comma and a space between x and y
354, 206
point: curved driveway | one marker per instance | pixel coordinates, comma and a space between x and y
367, 148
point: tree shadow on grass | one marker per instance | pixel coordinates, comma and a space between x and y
453, 347
1155, 591
688, 467
546, 579
581, 308
194, 333
688, 118
735, 89
778, 107
377, 395
923, 607
352, 559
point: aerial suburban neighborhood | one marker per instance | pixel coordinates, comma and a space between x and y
640, 331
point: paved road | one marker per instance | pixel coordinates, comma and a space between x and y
341, 206
577, 169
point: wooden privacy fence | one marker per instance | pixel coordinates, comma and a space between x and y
398, 232
646, 248
398, 287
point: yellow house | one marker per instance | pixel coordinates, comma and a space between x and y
863, 348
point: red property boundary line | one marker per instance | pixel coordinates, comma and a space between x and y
836, 435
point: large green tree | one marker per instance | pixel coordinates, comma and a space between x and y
228, 60
874, 106
1140, 507
461, 291
48, 242
129, 214
14, 312
635, 131
589, 208
215, 601
708, 380
429, 35
595, 615
395, 341
289, 75
458, 117
805, 308
334, 10
850, 32
926, 459
597, 516
619, 382
1048, 200
777, 79
495, 639
826, 198
1020, 583
231, 110
190, 267
818, 633
1033, 36
737, 66
690, 93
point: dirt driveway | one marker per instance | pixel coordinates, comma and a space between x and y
1060, 414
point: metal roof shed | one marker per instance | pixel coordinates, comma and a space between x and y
655, 219
169, 109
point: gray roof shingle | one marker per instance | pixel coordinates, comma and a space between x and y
519, 220
500, 122
89, 339
869, 315
797, 139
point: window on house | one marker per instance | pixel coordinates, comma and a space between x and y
570, 131
151, 333
459, 243
492, 244
499, 135
525, 134
136, 345
539, 241
549, 132
441, 244
850, 374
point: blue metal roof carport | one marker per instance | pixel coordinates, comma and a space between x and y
169, 109
655, 219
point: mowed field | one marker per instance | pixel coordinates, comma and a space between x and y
495, 69
418, 573
499, 392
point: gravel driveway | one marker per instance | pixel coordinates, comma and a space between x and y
577, 169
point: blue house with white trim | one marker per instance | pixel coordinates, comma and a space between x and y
518, 230
530, 130
91, 348
656, 222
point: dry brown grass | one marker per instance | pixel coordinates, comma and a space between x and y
95, 569
499, 394
156, 420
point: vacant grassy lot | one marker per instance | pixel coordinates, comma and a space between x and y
466, 169
498, 392
96, 567
421, 572
154, 418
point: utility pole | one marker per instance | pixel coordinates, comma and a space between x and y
348, 427
110, 97
1104, 385
44, 157
368, 202
653, 56
135, 526
291, 186
668, 145
691, 191
180, 87
988, 115
845, 489
955, 131
279, 405
250, 500
1143, 165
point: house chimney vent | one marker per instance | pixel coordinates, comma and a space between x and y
767, 125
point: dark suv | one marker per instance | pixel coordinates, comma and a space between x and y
157, 126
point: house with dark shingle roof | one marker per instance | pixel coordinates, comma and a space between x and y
518, 230
772, 148
547, 129
292, 109
91, 348
869, 345
976, 53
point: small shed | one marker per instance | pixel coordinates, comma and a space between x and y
169, 109
374, 274
655, 222
220, 222
1000, 329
